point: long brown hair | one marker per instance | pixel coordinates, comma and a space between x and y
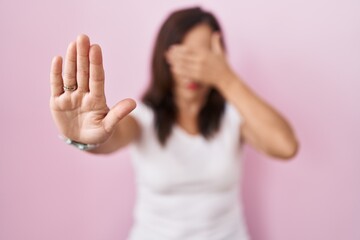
159, 95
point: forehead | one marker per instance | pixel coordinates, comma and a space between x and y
198, 37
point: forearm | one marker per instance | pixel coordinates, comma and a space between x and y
273, 133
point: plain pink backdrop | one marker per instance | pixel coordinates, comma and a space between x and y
303, 57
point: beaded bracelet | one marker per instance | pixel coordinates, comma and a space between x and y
78, 145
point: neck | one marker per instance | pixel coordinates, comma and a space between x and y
189, 107
187, 115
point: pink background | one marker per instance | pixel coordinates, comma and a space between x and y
301, 56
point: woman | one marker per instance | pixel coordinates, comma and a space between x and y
185, 135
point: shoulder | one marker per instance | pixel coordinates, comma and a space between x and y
232, 114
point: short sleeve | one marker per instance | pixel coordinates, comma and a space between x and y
231, 126
233, 114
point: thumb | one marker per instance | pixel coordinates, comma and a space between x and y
216, 46
118, 112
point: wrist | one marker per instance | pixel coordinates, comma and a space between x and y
226, 81
79, 145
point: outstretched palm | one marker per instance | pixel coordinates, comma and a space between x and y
78, 103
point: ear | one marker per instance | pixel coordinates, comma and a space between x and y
216, 46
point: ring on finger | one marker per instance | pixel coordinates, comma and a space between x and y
70, 88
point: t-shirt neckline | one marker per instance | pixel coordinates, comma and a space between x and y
183, 132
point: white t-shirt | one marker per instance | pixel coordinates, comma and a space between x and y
189, 189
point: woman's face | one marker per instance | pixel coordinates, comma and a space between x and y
198, 38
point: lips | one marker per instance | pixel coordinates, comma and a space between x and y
192, 86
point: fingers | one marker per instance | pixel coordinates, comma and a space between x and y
119, 111
56, 81
216, 45
70, 66
82, 62
178, 53
186, 70
83, 67
185, 62
97, 76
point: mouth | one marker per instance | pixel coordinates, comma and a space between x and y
192, 86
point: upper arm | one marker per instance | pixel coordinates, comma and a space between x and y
248, 136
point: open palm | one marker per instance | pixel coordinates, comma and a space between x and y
77, 102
